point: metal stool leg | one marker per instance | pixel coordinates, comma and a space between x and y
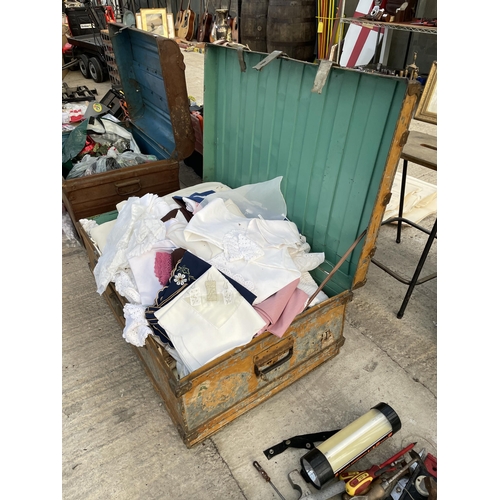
418, 270
401, 200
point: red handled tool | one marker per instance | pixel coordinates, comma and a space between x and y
356, 482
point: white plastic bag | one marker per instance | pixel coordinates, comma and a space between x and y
263, 199
106, 126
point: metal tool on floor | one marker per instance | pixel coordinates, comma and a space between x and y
358, 482
418, 471
326, 493
413, 487
263, 473
380, 489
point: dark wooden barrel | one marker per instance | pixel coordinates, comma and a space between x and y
291, 27
253, 24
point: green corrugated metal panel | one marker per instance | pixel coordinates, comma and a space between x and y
331, 147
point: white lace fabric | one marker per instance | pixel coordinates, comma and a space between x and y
126, 286
136, 326
88, 225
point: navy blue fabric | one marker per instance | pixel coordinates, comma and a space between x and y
198, 197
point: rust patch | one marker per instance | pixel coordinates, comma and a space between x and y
414, 88
404, 138
173, 68
359, 284
387, 199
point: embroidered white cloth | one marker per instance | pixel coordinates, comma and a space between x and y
255, 252
208, 319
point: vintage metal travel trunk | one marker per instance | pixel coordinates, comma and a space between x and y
335, 135
160, 123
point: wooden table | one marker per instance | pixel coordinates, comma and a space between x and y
421, 149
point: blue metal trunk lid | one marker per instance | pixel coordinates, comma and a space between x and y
152, 74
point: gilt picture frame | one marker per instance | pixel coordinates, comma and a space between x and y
155, 21
427, 106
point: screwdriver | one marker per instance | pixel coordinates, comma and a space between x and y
263, 473
356, 483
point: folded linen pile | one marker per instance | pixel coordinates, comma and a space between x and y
202, 277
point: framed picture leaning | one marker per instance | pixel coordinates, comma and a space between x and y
155, 21
427, 106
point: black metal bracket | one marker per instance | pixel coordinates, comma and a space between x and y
303, 441
80, 93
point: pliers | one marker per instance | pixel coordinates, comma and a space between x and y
357, 482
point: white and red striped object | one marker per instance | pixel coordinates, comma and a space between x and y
360, 42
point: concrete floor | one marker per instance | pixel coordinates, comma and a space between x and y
118, 442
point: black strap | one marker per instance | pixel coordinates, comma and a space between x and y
92, 120
303, 441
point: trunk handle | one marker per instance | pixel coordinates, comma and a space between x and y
128, 187
271, 358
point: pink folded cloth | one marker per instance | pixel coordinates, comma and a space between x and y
163, 267
280, 309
